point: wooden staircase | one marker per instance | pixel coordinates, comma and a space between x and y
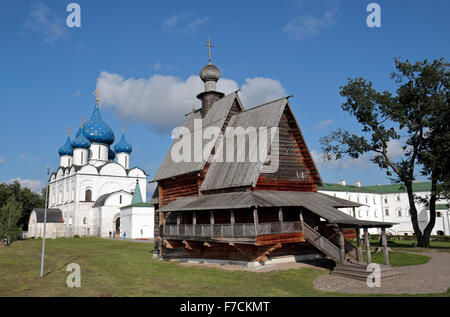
320, 242
350, 268
358, 271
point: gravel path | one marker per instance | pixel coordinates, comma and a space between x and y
432, 277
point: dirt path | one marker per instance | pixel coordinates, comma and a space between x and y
432, 277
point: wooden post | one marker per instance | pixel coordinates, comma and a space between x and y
384, 246
341, 245
359, 256
255, 220
211, 221
232, 222
353, 212
280, 219
301, 220
367, 243
194, 222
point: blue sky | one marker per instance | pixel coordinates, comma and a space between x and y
137, 49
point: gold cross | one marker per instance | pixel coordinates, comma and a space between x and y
95, 92
82, 121
209, 44
68, 131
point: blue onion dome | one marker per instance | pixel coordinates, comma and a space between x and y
111, 155
97, 130
81, 142
66, 149
123, 146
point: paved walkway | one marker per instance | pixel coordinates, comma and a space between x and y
432, 277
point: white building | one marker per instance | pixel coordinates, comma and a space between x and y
390, 203
93, 182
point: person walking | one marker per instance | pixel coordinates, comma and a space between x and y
110, 233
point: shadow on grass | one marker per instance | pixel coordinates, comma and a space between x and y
62, 266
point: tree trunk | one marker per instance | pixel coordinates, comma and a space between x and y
414, 218
432, 206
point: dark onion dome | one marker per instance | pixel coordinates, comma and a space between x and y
66, 149
81, 142
111, 155
123, 146
98, 131
210, 72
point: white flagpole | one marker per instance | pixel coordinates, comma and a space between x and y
45, 223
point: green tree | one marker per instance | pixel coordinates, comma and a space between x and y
10, 215
25, 196
416, 115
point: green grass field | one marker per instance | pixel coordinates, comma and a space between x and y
120, 268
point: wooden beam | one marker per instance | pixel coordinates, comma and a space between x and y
211, 221
367, 243
359, 256
280, 215
167, 244
384, 246
187, 245
255, 220
341, 245
232, 222
178, 222
301, 219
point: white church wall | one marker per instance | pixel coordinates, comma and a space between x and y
113, 169
137, 222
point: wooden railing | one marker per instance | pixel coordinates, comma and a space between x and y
320, 242
238, 230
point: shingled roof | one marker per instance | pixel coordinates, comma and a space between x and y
54, 215
215, 117
321, 204
224, 174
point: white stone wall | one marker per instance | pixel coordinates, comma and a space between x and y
397, 206
137, 222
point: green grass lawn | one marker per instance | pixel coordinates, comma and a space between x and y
121, 268
399, 258
407, 245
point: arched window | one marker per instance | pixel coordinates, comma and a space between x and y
85, 220
88, 195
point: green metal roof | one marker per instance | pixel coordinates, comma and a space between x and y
376, 189
441, 206
141, 204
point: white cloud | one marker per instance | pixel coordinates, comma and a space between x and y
314, 17
171, 21
41, 19
258, 90
185, 22
157, 66
324, 124
33, 184
362, 162
394, 149
162, 101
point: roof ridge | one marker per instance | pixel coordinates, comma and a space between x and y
265, 104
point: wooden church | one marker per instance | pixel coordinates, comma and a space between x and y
238, 211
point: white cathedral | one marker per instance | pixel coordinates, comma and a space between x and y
94, 192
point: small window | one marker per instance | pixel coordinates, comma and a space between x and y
374, 200
88, 195
120, 199
438, 214
386, 212
399, 213
367, 200
398, 198
85, 220
385, 200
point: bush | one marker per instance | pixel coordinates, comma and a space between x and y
76, 236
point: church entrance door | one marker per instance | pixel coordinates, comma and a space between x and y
118, 226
